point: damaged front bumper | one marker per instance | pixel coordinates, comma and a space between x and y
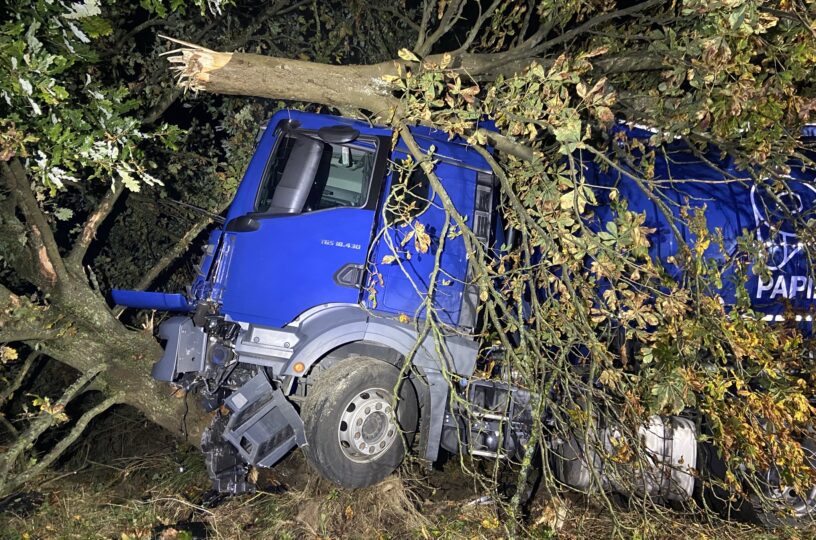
262, 425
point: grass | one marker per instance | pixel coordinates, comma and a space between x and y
130, 499
141, 486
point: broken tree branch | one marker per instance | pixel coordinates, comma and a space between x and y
274, 9
51, 268
88, 234
361, 87
202, 69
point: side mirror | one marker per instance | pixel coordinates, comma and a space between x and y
338, 134
245, 223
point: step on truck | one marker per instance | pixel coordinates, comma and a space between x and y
297, 334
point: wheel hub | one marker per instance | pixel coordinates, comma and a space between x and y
788, 500
373, 427
785, 498
367, 426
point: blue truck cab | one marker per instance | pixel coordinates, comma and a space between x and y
304, 322
290, 291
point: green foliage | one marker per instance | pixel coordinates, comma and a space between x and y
70, 125
735, 74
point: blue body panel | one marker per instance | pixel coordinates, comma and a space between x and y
287, 266
405, 281
735, 205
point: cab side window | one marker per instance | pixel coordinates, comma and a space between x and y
346, 180
306, 174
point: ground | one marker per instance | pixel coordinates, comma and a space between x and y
128, 480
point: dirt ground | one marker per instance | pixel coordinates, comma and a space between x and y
129, 480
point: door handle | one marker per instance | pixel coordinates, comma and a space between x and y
245, 223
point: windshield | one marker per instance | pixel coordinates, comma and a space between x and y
307, 174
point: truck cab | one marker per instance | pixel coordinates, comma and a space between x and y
314, 291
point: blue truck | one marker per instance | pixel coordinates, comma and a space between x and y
298, 334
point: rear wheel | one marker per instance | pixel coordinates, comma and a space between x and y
710, 490
355, 434
779, 505
773, 504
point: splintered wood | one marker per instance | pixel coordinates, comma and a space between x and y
194, 63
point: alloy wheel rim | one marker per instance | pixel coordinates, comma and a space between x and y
367, 427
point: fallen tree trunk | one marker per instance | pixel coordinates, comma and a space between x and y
362, 87
243, 74
86, 335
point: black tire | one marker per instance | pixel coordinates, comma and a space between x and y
709, 492
774, 511
329, 402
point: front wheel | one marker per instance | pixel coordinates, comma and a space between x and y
355, 437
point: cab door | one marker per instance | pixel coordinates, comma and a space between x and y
279, 260
402, 271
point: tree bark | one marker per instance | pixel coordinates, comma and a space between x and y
245, 74
83, 334
358, 86
130, 356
